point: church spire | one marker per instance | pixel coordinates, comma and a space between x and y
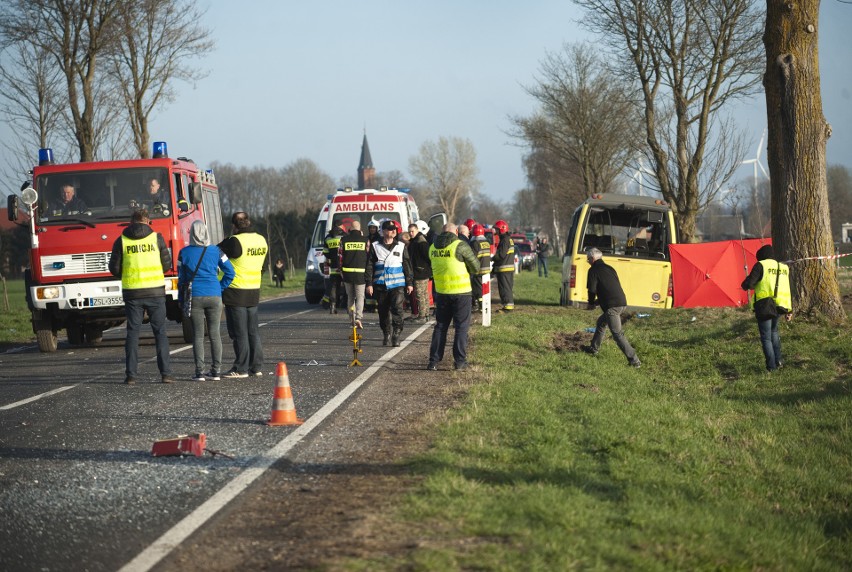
366, 172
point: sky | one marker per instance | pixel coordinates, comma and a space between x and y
299, 79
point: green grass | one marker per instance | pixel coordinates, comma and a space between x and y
698, 460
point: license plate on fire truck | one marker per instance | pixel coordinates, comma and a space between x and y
110, 301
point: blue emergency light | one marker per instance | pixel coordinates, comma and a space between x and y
405, 190
160, 149
45, 157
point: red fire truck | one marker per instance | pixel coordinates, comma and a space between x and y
68, 283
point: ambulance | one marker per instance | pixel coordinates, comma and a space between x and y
348, 205
68, 283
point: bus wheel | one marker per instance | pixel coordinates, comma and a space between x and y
94, 334
75, 334
45, 334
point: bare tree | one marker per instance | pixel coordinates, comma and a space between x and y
798, 131
76, 35
447, 171
839, 197
689, 57
586, 116
31, 102
304, 187
158, 39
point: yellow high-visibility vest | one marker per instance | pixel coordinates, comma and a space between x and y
448, 272
140, 263
249, 266
766, 287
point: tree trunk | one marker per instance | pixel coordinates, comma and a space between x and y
796, 155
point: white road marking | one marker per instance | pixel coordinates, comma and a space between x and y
37, 397
172, 538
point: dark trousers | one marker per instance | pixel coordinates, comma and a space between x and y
542, 263
476, 287
244, 331
611, 318
770, 340
390, 308
133, 310
453, 308
333, 287
505, 284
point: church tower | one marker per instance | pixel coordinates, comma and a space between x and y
366, 172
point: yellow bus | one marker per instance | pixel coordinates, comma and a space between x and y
634, 234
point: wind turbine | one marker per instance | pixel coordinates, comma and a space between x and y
756, 164
639, 175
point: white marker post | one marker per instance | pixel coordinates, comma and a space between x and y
486, 300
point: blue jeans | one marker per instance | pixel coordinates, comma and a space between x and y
771, 342
453, 308
133, 310
207, 309
244, 331
611, 318
542, 263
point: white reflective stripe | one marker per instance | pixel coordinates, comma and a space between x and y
284, 404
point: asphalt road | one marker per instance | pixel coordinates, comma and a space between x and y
79, 488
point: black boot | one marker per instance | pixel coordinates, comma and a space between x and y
386, 341
395, 339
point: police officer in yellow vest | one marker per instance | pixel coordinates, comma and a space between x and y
453, 263
770, 281
247, 251
140, 257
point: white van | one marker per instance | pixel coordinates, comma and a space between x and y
347, 205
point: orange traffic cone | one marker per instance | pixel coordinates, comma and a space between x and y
283, 407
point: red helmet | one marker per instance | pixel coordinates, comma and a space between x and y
469, 223
478, 230
502, 226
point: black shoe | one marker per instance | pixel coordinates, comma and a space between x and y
432, 366
636, 363
386, 340
168, 379
130, 380
589, 350
395, 339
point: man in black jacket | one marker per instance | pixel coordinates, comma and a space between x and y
421, 266
140, 257
605, 288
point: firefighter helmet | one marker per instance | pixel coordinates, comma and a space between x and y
502, 226
373, 222
478, 230
422, 227
469, 223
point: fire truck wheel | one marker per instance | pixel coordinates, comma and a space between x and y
94, 334
75, 334
45, 334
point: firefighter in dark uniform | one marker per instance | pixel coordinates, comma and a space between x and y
140, 256
247, 251
482, 249
504, 266
453, 264
353, 252
332, 284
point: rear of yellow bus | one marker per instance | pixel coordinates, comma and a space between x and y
634, 234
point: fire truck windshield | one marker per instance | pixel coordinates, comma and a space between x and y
103, 195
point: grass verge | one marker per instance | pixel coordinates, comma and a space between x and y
699, 460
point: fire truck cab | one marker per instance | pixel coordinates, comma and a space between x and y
78, 210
